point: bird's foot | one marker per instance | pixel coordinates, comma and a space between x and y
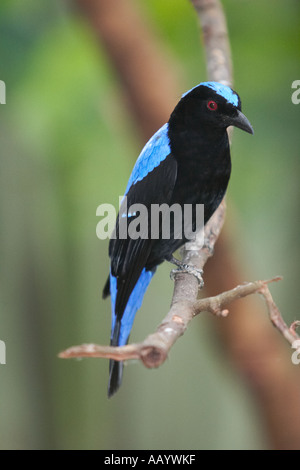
186, 268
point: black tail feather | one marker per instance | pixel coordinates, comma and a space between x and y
115, 367
106, 289
115, 377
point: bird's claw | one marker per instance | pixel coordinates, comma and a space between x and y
188, 269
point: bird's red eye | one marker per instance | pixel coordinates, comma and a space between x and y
212, 105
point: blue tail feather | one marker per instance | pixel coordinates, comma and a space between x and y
120, 329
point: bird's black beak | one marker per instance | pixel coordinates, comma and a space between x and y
241, 122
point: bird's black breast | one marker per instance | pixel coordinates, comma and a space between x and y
203, 172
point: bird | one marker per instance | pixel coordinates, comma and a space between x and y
187, 161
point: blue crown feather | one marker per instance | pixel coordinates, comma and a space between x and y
222, 90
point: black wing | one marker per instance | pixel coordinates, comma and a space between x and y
129, 256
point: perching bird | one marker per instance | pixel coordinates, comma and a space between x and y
187, 161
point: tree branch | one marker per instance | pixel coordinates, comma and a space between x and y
153, 351
215, 37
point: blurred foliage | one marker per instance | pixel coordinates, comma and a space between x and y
68, 145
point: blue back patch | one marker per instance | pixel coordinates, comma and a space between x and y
154, 152
222, 90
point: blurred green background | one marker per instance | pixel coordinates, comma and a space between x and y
68, 144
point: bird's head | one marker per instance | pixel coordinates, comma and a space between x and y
213, 105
